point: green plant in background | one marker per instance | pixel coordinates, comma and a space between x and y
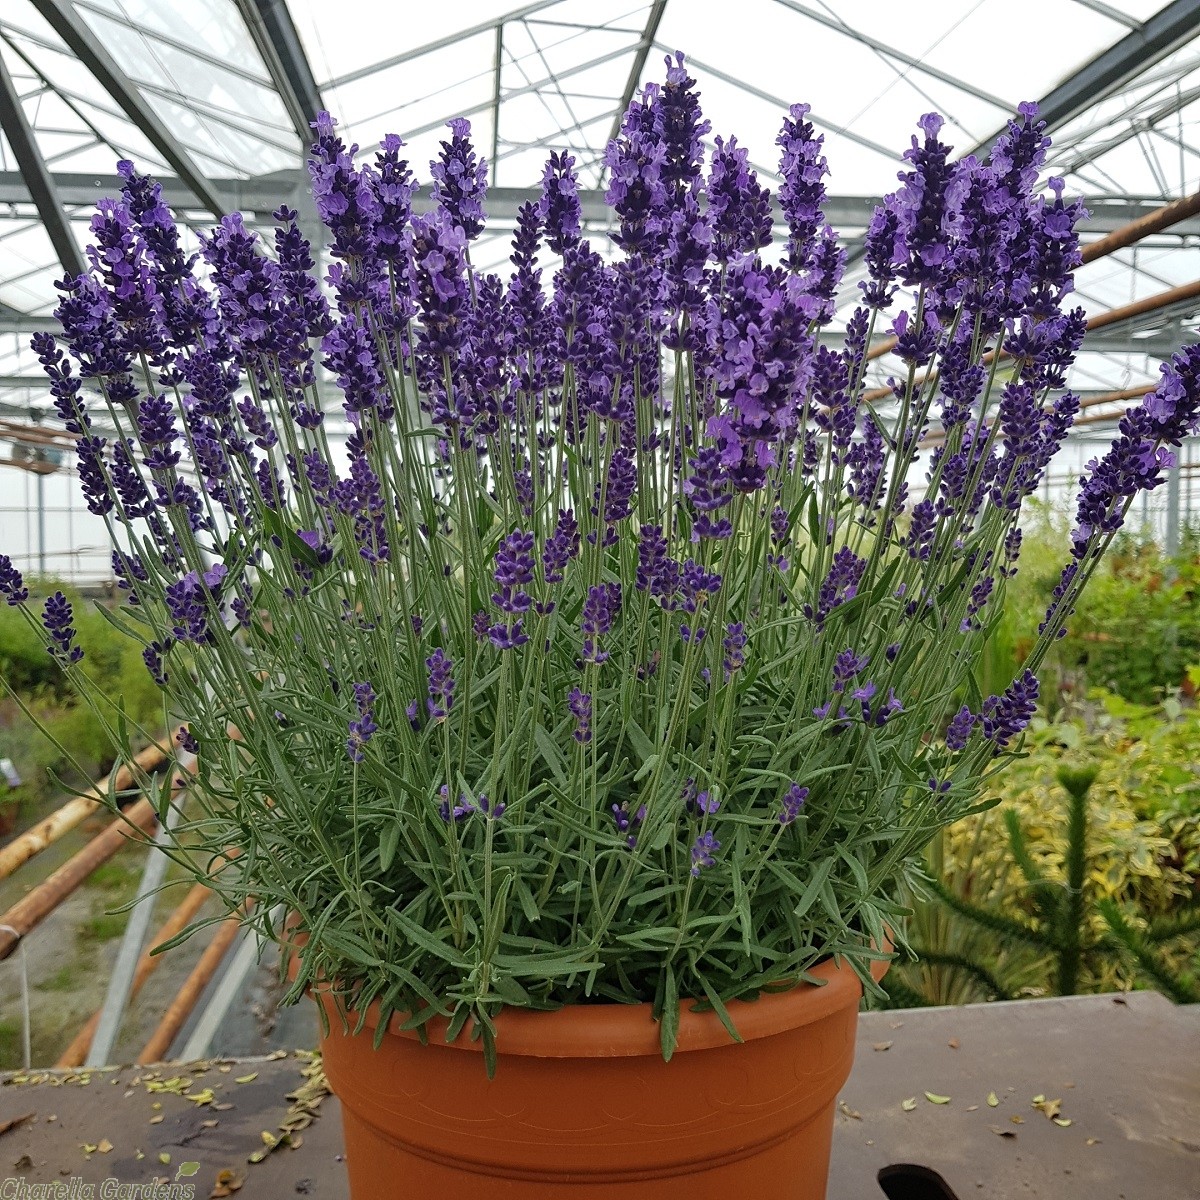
1070, 911
113, 665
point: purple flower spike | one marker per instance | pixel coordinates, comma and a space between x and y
734, 644
802, 168
704, 850
580, 704
739, 207
793, 802
514, 569
561, 547
627, 822
699, 804
558, 209
363, 726
441, 684
56, 617
12, 586
599, 611
1004, 717
846, 666
460, 179
958, 732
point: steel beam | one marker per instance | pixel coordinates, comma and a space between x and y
516, 14
783, 105
653, 20
1152, 41
37, 175
83, 43
880, 47
260, 196
274, 32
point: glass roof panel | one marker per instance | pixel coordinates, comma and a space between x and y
210, 25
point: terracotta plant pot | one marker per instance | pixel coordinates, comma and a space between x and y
582, 1103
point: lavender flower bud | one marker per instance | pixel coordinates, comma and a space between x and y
793, 802
56, 618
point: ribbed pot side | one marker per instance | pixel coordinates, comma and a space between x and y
582, 1104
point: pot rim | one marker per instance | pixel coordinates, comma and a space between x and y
629, 1030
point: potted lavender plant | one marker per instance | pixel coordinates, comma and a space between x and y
592, 698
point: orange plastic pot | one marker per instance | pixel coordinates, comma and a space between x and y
582, 1104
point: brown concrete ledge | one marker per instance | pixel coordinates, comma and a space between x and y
1126, 1071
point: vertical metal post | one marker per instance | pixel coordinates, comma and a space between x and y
1187, 496
1173, 509
41, 523
497, 67
120, 984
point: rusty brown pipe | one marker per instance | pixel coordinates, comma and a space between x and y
46, 832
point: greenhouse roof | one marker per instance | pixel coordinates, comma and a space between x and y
215, 97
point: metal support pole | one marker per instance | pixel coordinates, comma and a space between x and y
497, 69
120, 983
41, 507
244, 960
1173, 509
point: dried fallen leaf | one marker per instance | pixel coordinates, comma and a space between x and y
1063, 1121
882, 1046
1017, 1120
999, 1132
953, 1043
1051, 1108
156, 1120
909, 1104
1093, 1141
934, 1098
247, 1078
5, 1126
845, 1109
228, 1182
993, 1100
24, 1163
972, 1108
105, 1146
208, 1124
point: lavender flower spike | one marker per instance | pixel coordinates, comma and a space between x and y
460, 179
12, 586
793, 802
56, 617
704, 850
364, 725
441, 684
1005, 716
